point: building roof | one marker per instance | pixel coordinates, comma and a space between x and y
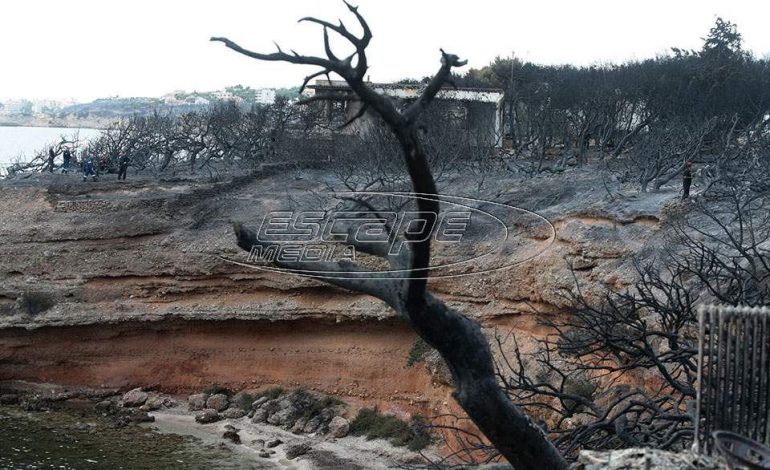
413, 90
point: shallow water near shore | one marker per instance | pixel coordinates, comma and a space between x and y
78, 438
22, 142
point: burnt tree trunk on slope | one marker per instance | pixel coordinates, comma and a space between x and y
458, 339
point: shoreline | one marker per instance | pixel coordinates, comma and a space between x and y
103, 421
40, 126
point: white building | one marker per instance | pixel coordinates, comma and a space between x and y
479, 109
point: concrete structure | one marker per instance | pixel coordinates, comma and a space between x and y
479, 111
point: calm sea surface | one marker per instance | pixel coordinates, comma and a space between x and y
22, 142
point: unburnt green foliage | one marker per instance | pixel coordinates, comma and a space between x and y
271, 393
419, 349
374, 425
215, 389
244, 400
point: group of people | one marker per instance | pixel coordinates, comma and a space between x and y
88, 165
91, 168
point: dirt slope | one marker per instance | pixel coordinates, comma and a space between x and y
123, 284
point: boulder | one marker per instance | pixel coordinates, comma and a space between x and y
259, 402
260, 416
295, 450
271, 406
209, 415
232, 436
217, 402
274, 443
197, 401
313, 424
104, 405
339, 426
259, 443
285, 417
134, 398
154, 402
438, 369
233, 413
299, 426
141, 417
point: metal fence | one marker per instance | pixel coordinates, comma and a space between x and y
733, 373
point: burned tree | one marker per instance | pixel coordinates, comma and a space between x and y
663, 152
618, 371
459, 339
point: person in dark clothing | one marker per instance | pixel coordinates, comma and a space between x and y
686, 180
89, 168
67, 157
51, 156
123, 167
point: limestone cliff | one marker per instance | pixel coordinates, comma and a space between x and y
124, 284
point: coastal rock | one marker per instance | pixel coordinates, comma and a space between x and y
140, 417
274, 443
206, 416
299, 426
260, 416
232, 436
259, 443
285, 417
218, 402
259, 402
197, 401
271, 406
233, 413
104, 405
339, 426
134, 398
313, 424
438, 368
295, 450
153, 403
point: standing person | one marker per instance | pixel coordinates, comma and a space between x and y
51, 156
67, 157
89, 167
123, 167
686, 180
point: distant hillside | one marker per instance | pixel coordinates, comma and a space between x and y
103, 111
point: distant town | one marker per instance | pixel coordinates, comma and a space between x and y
101, 112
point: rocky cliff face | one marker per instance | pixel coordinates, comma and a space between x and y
124, 284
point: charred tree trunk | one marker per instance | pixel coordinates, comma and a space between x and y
629, 136
458, 339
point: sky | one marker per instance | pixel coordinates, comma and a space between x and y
86, 49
